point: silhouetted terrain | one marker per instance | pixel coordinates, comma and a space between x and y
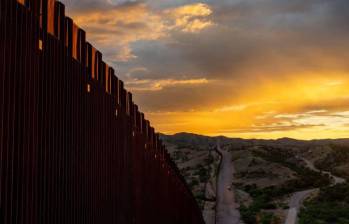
275, 181
198, 163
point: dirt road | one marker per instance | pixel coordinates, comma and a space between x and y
297, 198
295, 204
336, 180
227, 211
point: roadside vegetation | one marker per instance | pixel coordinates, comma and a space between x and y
330, 206
264, 199
268, 173
306, 178
198, 175
339, 157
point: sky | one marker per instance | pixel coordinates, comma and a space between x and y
240, 68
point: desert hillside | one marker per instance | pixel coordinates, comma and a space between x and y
270, 178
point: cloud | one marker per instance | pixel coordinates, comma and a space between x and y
157, 85
307, 119
190, 18
229, 62
117, 26
270, 128
232, 108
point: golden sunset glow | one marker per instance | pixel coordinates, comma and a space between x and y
251, 69
303, 109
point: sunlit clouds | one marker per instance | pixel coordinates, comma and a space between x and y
118, 26
252, 69
299, 108
157, 85
190, 18
121, 25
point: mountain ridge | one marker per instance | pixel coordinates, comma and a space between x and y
183, 134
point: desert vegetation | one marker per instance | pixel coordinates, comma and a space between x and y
268, 174
330, 206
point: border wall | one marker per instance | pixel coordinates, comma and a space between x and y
74, 148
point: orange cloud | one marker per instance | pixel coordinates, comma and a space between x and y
190, 18
157, 85
121, 25
272, 110
118, 26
